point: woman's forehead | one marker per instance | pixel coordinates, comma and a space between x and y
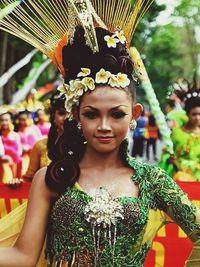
195, 110
105, 94
5, 116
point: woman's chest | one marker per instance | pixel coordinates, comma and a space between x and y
117, 184
76, 213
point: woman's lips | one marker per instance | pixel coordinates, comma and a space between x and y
104, 139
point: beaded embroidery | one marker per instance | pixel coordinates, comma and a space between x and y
70, 235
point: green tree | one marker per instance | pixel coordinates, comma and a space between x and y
188, 13
172, 51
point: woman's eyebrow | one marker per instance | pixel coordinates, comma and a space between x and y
119, 107
91, 107
110, 109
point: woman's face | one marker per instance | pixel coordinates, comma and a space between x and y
194, 116
5, 121
41, 115
105, 115
59, 117
23, 119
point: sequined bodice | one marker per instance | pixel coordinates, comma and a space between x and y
104, 231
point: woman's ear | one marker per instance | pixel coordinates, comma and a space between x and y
137, 111
75, 113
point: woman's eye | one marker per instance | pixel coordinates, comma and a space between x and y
118, 114
61, 113
90, 115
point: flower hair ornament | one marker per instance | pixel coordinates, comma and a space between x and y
84, 83
51, 25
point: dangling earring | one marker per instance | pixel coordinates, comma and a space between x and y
133, 124
79, 126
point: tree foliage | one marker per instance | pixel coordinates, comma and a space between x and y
173, 50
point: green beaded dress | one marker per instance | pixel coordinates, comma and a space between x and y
105, 231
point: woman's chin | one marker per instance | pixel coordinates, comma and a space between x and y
104, 148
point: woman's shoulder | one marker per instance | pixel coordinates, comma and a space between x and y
145, 171
39, 184
178, 131
41, 144
150, 176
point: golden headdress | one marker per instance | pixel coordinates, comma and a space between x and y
48, 25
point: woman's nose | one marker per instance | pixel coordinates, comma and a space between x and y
104, 125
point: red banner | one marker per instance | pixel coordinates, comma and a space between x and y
170, 248
11, 198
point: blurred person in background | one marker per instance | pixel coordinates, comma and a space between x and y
138, 137
11, 159
151, 136
39, 155
42, 122
186, 138
29, 135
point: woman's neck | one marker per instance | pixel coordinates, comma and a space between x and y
192, 128
42, 122
93, 158
5, 131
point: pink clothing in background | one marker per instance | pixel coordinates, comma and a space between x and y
44, 128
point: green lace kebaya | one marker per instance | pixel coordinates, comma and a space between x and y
81, 234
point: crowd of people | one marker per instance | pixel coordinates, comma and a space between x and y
145, 137
19, 132
24, 140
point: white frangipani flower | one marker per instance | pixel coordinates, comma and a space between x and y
102, 76
89, 83
84, 72
111, 41
120, 36
123, 80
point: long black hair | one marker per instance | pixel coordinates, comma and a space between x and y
65, 171
57, 102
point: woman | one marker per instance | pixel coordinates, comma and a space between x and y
42, 122
186, 138
138, 137
152, 129
29, 135
11, 160
94, 202
39, 155
97, 175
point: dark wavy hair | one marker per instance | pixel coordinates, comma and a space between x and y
23, 112
57, 102
189, 96
65, 171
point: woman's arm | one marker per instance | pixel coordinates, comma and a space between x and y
27, 248
34, 164
172, 200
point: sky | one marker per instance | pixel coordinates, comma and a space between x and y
164, 16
